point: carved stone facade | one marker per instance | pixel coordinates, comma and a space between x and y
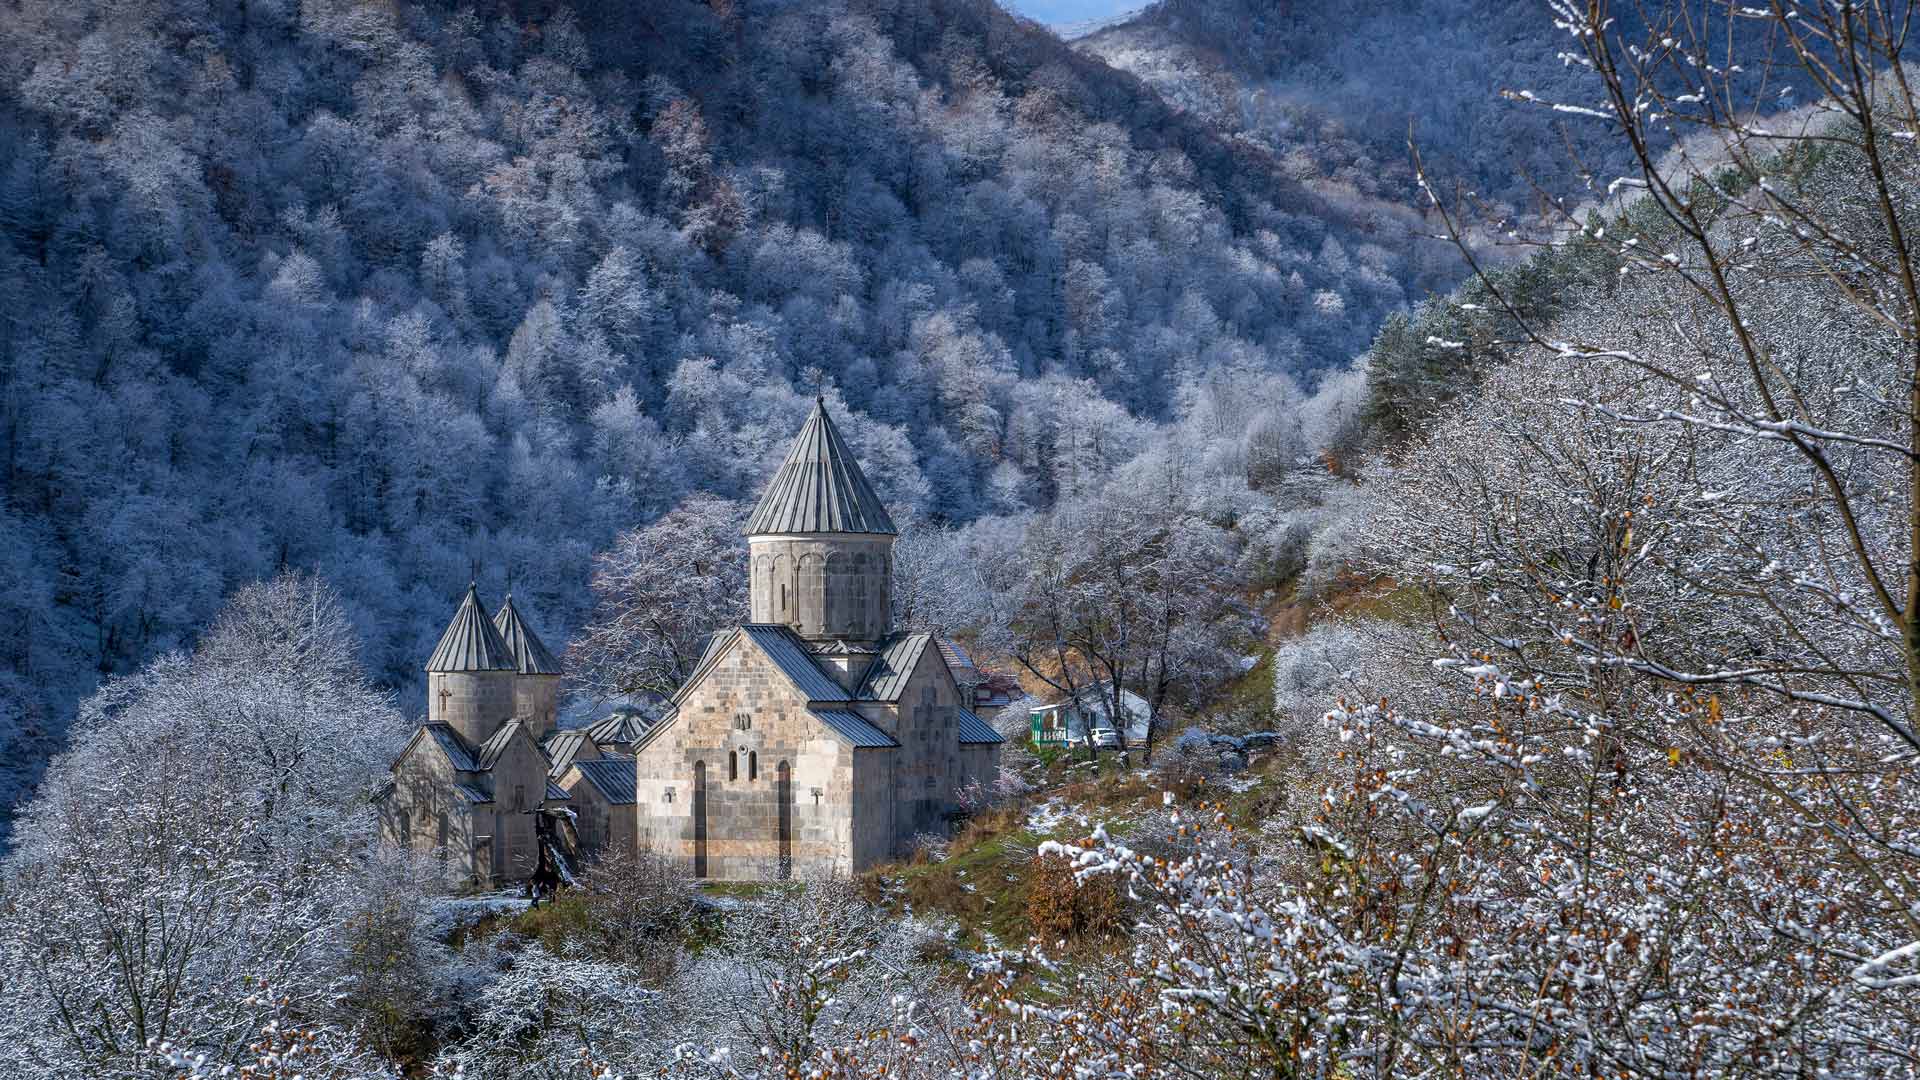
745, 783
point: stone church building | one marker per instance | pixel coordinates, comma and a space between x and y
813, 738
463, 785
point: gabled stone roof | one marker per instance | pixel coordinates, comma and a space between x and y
458, 749
887, 679
956, 656
621, 726
791, 656
562, 747
819, 488
530, 657
496, 744
974, 731
471, 643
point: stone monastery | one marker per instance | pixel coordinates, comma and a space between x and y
813, 738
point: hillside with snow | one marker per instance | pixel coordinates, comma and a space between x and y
389, 293
1511, 591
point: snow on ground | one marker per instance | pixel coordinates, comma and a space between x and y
1048, 817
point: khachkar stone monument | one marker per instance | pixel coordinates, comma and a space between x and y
813, 738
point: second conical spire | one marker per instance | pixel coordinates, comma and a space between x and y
530, 655
471, 642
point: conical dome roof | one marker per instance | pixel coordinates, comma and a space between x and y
819, 489
530, 657
471, 643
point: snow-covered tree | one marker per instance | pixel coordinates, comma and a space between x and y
198, 841
662, 591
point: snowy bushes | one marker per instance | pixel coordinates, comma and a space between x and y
543, 1016
1062, 908
1310, 672
638, 907
203, 836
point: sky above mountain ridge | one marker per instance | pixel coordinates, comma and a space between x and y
1068, 12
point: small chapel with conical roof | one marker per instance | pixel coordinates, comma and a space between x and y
813, 739
464, 786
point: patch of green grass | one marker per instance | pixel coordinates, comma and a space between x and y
1246, 702
558, 923
742, 889
1389, 601
982, 883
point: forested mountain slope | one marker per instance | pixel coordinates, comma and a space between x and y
1336, 89
390, 291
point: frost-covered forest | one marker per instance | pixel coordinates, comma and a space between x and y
1533, 635
1336, 90
386, 291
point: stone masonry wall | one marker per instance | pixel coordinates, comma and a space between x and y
519, 784
824, 587
873, 787
474, 703
741, 722
536, 701
979, 762
424, 813
927, 770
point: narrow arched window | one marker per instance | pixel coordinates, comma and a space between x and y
699, 819
733, 764
783, 797
753, 765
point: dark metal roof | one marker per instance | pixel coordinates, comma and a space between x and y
473, 792
854, 728
623, 726
975, 730
561, 747
614, 778
886, 680
458, 749
555, 791
819, 488
496, 744
530, 657
789, 654
471, 643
